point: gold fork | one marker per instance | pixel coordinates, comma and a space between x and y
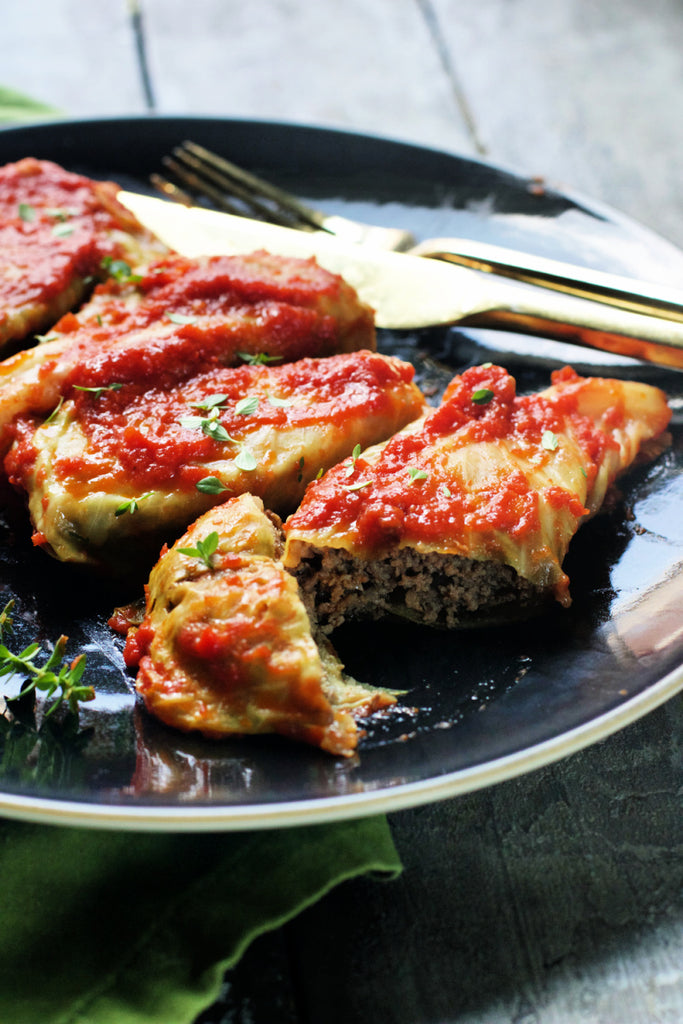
234, 190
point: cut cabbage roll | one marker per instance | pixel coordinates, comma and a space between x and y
118, 469
226, 647
466, 516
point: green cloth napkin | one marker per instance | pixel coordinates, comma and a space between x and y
138, 928
104, 927
14, 106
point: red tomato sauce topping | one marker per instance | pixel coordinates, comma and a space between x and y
181, 317
410, 494
54, 226
153, 436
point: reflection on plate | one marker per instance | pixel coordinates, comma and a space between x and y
480, 706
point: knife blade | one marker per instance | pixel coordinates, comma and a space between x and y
410, 292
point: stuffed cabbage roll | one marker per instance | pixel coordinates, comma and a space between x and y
466, 515
177, 316
118, 469
226, 647
58, 230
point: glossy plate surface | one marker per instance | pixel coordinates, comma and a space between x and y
479, 706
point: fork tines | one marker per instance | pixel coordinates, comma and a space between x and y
235, 190
204, 175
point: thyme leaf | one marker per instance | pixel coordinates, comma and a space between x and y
215, 430
246, 461
204, 550
181, 318
55, 410
132, 504
259, 359
209, 425
280, 403
98, 391
120, 271
354, 458
247, 406
210, 485
212, 402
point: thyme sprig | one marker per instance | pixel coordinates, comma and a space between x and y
205, 549
56, 679
258, 359
351, 466
97, 391
120, 271
132, 505
211, 426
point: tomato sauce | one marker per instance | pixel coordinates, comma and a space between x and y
181, 317
54, 226
413, 492
150, 435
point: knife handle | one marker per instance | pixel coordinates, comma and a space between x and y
551, 314
628, 293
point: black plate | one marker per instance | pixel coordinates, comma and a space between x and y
479, 707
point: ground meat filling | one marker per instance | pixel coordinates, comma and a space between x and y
445, 591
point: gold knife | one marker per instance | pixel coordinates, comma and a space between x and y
409, 292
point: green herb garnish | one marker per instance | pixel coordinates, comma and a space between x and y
417, 474
215, 430
27, 212
210, 485
98, 391
247, 406
354, 458
279, 403
205, 549
120, 270
132, 504
56, 409
63, 682
259, 359
550, 441
212, 402
245, 461
209, 425
358, 486
482, 396
58, 213
181, 318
